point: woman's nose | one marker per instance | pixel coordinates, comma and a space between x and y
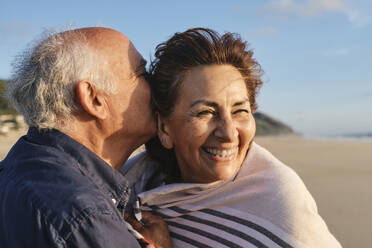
226, 129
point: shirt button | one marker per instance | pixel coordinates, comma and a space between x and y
113, 200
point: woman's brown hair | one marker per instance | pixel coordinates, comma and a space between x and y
192, 48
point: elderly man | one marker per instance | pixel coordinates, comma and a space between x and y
85, 98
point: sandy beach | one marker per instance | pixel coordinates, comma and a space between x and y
339, 176
337, 173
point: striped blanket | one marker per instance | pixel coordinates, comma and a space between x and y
264, 205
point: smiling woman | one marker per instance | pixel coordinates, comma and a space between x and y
216, 123
205, 85
212, 184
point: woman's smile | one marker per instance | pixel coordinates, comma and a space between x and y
221, 154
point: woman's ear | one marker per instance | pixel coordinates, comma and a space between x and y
163, 132
91, 100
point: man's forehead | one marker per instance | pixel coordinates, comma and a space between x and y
98, 36
116, 49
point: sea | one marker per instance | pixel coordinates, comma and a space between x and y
356, 137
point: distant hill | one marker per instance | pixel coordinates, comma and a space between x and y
5, 106
266, 125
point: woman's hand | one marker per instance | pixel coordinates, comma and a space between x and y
153, 228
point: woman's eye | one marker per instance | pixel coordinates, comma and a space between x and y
241, 111
205, 113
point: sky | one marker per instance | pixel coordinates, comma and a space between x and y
316, 54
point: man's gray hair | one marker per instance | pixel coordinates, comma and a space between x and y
42, 87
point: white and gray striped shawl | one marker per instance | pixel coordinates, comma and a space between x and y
265, 204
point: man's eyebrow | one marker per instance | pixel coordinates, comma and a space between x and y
205, 102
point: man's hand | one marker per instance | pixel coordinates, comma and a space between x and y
153, 228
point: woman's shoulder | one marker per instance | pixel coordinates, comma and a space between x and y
278, 185
260, 161
139, 164
142, 172
262, 166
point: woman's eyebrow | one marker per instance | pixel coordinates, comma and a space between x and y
215, 105
204, 102
241, 102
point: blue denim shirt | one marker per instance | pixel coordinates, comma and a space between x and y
54, 192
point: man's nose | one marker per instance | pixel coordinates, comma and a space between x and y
226, 129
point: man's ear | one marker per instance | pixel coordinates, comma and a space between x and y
163, 132
91, 100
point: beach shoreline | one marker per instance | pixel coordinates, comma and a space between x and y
337, 173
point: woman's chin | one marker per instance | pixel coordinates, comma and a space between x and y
226, 174
222, 168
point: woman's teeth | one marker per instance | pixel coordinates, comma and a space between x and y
220, 153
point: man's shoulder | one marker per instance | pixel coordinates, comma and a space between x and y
49, 188
52, 180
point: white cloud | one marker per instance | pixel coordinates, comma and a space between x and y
311, 8
358, 19
306, 8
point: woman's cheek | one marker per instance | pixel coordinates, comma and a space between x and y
248, 129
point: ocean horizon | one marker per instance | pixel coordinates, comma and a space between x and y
358, 137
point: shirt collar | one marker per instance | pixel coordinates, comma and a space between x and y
101, 173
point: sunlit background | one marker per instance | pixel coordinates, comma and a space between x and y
316, 54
